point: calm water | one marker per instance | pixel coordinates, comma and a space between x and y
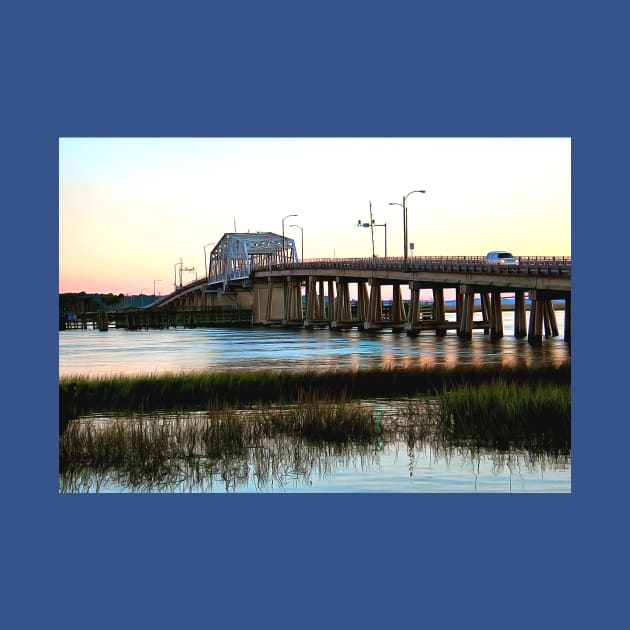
405, 464
401, 466
190, 349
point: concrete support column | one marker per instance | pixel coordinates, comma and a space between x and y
398, 308
342, 312
288, 299
496, 327
312, 303
339, 305
520, 321
375, 307
412, 314
298, 300
465, 325
269, 300
363, 301
438, 311
551, 325
534, 335
276, 303
322, 301
486, 312
344, 293
292, 302
330, 313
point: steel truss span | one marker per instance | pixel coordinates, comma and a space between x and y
237, 254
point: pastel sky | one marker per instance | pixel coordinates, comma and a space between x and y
129, 208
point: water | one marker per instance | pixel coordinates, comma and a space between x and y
118, 351
398, 468
402, 465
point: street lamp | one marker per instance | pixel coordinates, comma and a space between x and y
284, 253
154, 286
204, 258
142, 297
302, 230
403, 205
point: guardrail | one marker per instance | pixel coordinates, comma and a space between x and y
528, 265
467, 264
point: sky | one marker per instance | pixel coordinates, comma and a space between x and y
131, 208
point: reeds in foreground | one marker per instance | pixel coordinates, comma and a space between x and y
155, 449
80, 395
502, 413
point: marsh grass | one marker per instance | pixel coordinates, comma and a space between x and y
79, 395
279, 441
502, 414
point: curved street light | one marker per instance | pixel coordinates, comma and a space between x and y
403, 205
302, 230
284, 253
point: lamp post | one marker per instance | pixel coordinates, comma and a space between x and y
154, 286
142, 297
302, 230
284, 253
204, 258
403, 205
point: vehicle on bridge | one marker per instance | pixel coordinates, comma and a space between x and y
501, 258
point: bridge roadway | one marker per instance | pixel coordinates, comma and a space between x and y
316, 293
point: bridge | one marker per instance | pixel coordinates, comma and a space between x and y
259, 274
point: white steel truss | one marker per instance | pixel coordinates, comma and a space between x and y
234, 255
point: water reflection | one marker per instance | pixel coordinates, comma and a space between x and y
183, 350
409, 453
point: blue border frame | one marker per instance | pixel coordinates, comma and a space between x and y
297, 69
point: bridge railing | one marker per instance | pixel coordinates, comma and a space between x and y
427, 263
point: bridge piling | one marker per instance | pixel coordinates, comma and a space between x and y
466, 322
520, 326
439, 312
496, 325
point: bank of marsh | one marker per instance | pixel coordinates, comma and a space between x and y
79, 395
159, 430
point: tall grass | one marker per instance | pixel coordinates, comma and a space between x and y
150, 447
153, 449
503, 413
80, 395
